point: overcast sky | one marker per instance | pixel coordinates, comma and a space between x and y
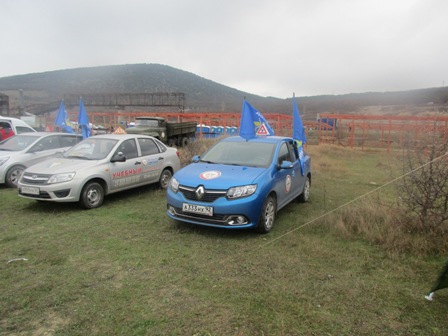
264, 47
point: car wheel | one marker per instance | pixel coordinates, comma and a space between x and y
267, 218
165, 178
305, 195
92, 195
185, 142
171, 143
13, 176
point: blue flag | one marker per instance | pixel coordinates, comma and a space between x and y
298, 129
83, 121
298, 133
62, 119
253, 123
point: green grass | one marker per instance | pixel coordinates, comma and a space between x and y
126, 269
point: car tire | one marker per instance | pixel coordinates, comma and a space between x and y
165, 177
305, 195
13, 175
185, 142
267, 217
92, 195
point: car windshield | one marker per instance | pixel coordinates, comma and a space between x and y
91, 149
18, 142
254, 154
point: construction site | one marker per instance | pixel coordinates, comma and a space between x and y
349, 130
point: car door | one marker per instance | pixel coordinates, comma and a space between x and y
152, 160
287, 179
129, 173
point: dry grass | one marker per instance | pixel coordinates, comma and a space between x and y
126, 269
197, 147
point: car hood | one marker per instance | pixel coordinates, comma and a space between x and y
216, 175
61, 165
10, 154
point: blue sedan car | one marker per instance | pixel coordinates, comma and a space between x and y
240, 183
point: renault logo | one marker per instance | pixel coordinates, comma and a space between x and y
200, 192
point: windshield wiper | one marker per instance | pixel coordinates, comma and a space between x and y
211, 162
76, 157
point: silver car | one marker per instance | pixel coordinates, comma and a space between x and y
23, 150
98, 166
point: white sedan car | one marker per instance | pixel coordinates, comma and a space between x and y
98, 166
23, 150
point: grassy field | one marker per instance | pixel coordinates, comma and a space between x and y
126, 269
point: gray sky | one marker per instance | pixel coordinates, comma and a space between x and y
265, 47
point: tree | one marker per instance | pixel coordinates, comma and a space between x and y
424, 188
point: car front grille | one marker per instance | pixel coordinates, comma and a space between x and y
37, 179
208, 196
215, 219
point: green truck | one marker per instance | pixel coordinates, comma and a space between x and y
171, 133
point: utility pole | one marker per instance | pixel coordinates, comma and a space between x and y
21, 103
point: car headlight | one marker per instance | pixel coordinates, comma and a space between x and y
174, 185
58, 178
242, 191
3, 160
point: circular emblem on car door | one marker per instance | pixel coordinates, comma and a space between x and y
288, 183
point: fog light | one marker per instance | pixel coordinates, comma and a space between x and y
171, 210
237, 220
241, 220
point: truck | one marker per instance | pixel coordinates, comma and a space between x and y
171, 133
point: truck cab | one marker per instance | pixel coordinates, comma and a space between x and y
171, 133
153, 126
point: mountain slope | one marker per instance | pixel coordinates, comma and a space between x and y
202, 95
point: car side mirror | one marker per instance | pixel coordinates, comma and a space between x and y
196, 158
119, 157
286, 165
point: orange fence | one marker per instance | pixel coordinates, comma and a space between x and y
389, 132
354, 131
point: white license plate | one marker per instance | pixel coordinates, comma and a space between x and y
30, 190
199, 209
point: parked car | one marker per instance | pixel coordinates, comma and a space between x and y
23, 150
18, 126
240, 183
98, 166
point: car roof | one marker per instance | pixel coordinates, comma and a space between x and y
266, 139
122, 136
34, 134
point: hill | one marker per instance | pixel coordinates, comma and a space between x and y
202, 95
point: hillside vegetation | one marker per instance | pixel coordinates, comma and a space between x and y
201, 94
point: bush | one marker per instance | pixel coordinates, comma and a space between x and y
196, 147
423, 191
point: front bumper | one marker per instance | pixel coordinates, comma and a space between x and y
58, 192
243, 213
